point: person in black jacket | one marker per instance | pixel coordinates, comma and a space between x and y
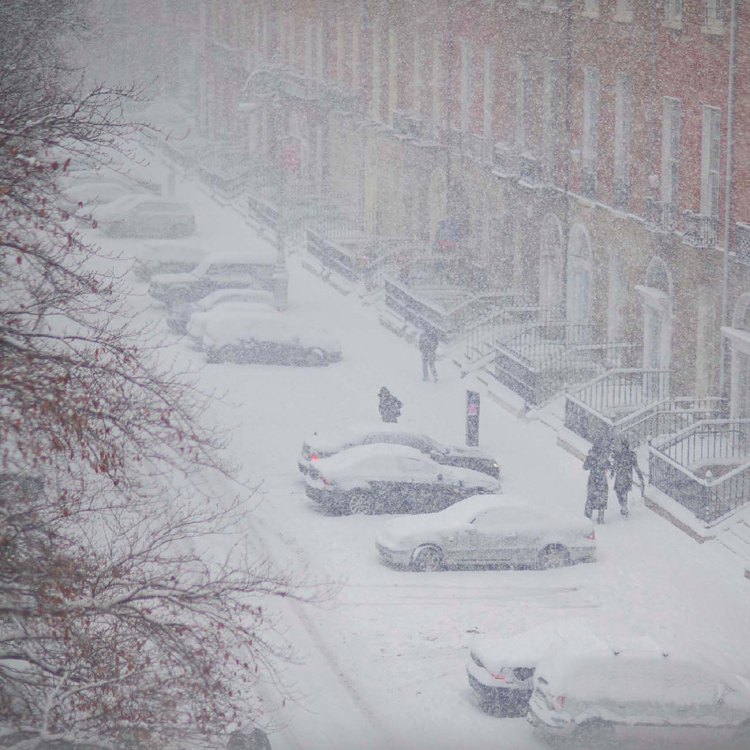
625, 463
390, 406
428, 344
597, 493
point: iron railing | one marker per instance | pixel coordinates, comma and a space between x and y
705, 468
509, 318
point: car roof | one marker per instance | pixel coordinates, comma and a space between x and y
364, 453
338, 441
637, 674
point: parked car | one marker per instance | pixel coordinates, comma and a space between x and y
168, 257
82, 196
486, 531
322, 446
391, 479
500, 668
180, 314
230, 270
647, 697
252, 334
144, 216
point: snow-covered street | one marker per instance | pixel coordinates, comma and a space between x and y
382, 660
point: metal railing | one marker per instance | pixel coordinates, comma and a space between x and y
705, 468
504, 320
700, 230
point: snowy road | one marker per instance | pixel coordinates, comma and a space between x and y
382, 661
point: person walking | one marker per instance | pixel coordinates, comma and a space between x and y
625, 463
428, 344
390, 406
597, 463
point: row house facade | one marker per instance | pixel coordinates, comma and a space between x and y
589, 159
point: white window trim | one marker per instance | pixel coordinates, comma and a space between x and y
392, 73
308, 48
319, 52
673, 14
340, 51
376, 77
437, 84
417, 77
551, 81
713, 17
590, 9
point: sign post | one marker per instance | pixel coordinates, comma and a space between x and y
472, 418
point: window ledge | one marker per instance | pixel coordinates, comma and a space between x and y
673, 23
590, 14
623, 18
715, 28
549, 8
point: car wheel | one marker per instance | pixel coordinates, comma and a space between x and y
315, 358
361, 504
554, 556
428, 559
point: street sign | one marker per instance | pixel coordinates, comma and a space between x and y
472, 418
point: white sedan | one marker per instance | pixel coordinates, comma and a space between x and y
488, 530
144, 216
253, 334
181, 314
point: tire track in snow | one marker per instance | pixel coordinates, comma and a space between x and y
384, 738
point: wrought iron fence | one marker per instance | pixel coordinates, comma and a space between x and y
705, 468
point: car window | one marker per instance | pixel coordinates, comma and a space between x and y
500, 518
414, 468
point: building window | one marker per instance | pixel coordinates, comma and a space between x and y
417, 78
340, 51
670, 160
550, 113
489, 93
522, 100
714, 13
623, 125
591, 8
308, 48
437, 82
624, 11
375, 73
710, 161
392, 72
590, 130
673, 13
319, 58
465, 85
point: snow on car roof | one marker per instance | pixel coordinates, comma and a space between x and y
525, 649
360, 454
638, 676
336, 441
258, 297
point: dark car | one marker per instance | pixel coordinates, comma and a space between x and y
320, 446
391, 479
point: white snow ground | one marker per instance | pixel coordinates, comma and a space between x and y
382, 662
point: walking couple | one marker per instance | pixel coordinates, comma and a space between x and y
620, 461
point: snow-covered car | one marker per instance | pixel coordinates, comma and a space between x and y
384, 478
253, 334
643, 697
230, 270
168, 257
486, 531
84, 195
500, 669
180, 314
323, 446
144, 216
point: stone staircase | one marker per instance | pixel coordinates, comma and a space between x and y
736, 538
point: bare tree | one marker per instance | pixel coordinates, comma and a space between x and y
117, 619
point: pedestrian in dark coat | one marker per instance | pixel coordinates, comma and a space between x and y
428, 344
597, 463
625, 463
390, 406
